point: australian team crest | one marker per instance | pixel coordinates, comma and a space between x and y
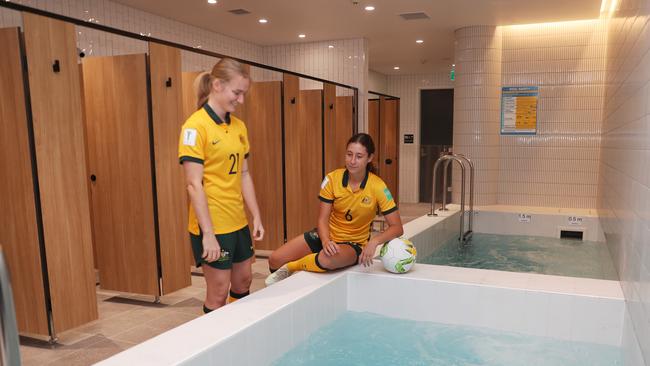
366, 200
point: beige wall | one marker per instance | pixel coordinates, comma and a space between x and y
624, 184
377, 82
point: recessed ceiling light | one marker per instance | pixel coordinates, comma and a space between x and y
396, 68
453, 65
212, 1
419, 41
370, 8
302, 36
330, 46
263, 21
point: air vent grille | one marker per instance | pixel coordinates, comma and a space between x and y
239, 11
414, 16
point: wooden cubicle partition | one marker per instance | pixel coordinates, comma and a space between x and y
262, 114
303, 155
389, 144
373, 129
19, 237
338, 126
188, 94
58, 130
116, 104
168, 117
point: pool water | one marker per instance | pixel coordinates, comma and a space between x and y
515, 253
369, 339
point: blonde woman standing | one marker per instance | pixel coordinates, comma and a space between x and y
213, 150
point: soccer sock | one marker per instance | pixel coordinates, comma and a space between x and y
307, 263
235, 296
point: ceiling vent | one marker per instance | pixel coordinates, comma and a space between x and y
414, 16
239, 11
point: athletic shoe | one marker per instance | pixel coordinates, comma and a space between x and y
279, 275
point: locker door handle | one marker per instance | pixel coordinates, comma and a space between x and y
168, 83
389, 161
56, 67
93, 177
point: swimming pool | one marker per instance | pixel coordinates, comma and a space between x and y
520, 253
359, 338
261, 328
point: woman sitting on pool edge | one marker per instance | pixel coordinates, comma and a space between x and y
349, 199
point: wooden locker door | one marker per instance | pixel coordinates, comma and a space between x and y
332, 160
167, 112
344, 126
303, 155
263, 118
373, 130
338, 117
117, 120
189, 106
56, 102
388, 135
19, 236
188, 93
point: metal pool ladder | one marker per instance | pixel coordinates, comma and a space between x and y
463, 161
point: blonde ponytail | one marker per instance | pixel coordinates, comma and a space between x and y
202, 87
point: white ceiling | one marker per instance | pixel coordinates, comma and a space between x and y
391, 39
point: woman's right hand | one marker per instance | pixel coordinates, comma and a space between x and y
330, 248
211, 248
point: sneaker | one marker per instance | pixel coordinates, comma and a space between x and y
279, 275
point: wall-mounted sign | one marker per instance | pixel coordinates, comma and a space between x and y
575, 220
522, 217
519, 110
408, 138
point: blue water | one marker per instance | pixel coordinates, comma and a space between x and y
515, 253
369, 339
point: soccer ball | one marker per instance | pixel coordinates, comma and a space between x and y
398, 255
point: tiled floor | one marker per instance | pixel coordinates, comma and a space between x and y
126, 320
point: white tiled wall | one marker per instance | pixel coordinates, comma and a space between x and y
624, 181
477, 108
346, 62
407, 88
558, 167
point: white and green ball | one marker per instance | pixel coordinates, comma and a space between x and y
398, 255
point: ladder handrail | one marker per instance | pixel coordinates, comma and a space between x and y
462, 160
9, 339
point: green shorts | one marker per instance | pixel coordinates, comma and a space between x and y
235, 247
313, 240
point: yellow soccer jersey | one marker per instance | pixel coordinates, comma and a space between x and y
221, 147
353, 212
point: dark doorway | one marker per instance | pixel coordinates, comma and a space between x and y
436, 131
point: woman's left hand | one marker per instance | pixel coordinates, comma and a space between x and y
368, 254
258, 229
